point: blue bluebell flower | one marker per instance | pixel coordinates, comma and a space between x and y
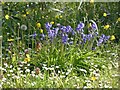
69, 29
63, 29
56, 31
34, 35
48, 26
94, 26
64, 38
51, 34
42, 36
89, 36
103, 39
71, 42
80, 27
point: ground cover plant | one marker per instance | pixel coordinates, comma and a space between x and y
60, 45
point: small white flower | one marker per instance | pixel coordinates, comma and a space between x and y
4, 79
25, 67
83, 70
96, 65
6, 65
28, 64
103, 66
88, 81
27, 70
106, 86
10, 66
21, 71
67, 73
21, 65
57, 66
33, 74
51, 68
23, 75
25, 82
11, 71
58, 71
18, 68
33, 84
8, 75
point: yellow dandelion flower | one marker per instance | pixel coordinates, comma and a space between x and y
38, 25
3, 2
89, 25
10, 40
24, 15
106, 27
52, 22
118, 19
93, 78
41, 30
57, 16
112, 37
27, 59
43, 17
91, 1
27, 55
7, 16
27, 12
61, 16
104, 14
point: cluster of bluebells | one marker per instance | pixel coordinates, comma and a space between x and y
65, 33
102, 39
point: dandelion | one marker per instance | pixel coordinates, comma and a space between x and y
7, 16
10, 40
91, 1
61, 16
52, 22
27, 59
38, 25
41, 30
24, 15
43, 17
23, 27
93, 78
27, 12
57, 16
104, 14
3, 2
112, 37
106, 27
89, 25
